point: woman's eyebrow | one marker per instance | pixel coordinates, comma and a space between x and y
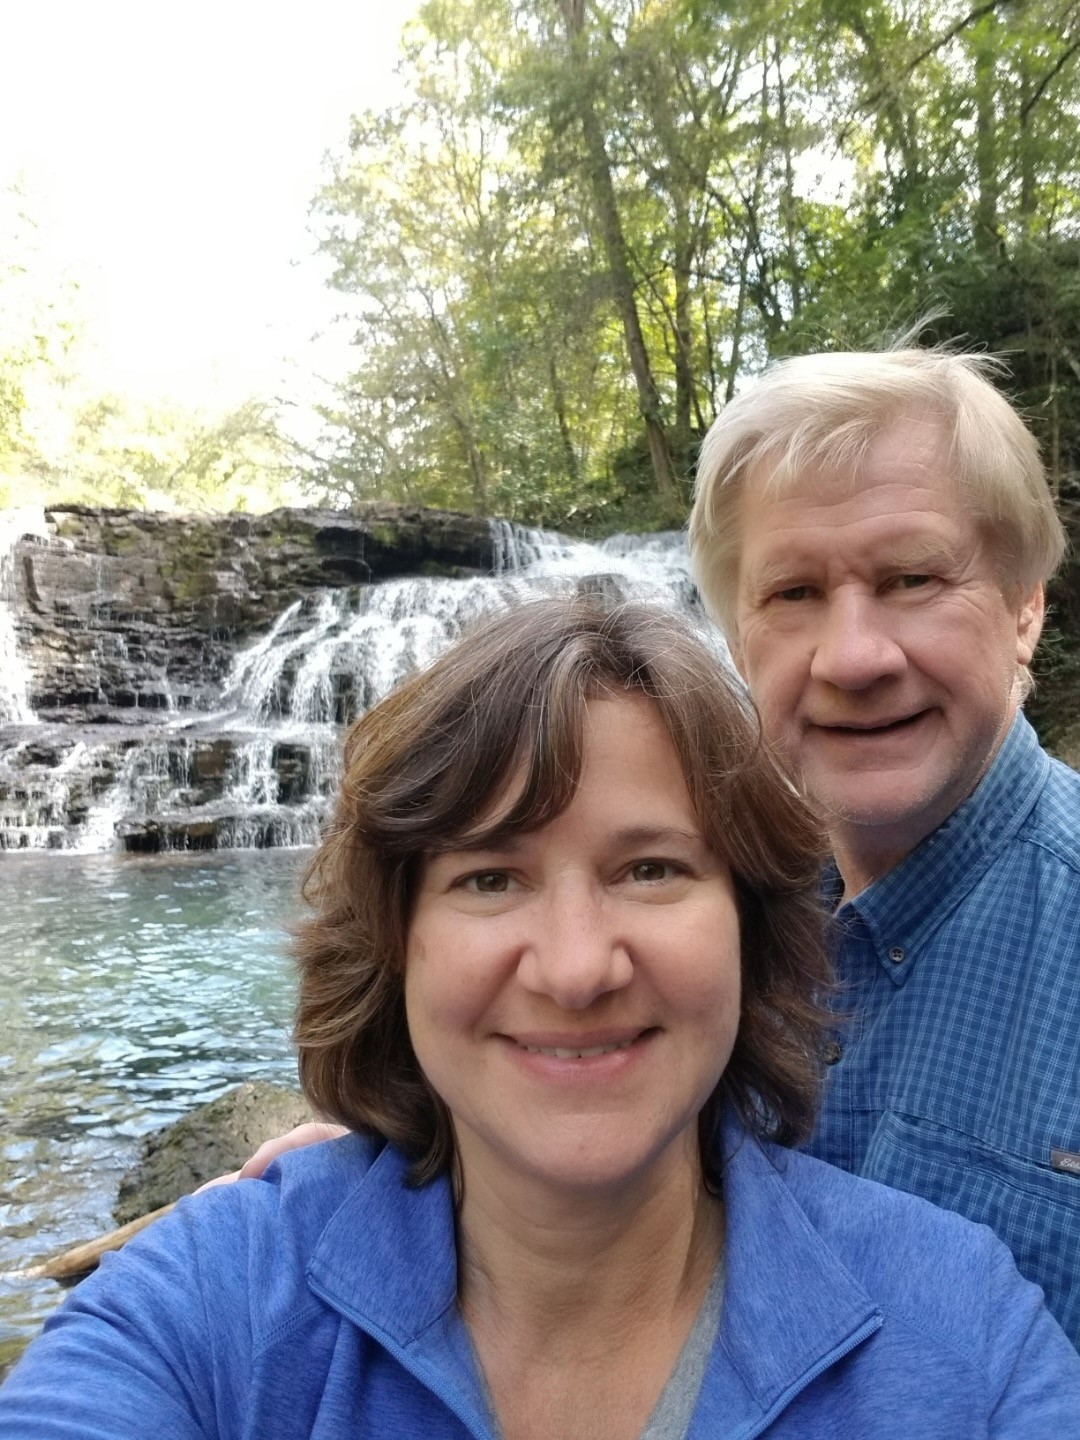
646, 835
506, 842
625, 837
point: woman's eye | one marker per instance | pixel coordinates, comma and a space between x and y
486, 882
793, 592
649, 871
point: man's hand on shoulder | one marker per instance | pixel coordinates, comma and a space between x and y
310, 1133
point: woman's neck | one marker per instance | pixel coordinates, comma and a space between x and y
562, 1273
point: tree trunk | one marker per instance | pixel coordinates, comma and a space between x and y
1027, 143
987, 236
605, 204
684, 373
787, 202
558, 398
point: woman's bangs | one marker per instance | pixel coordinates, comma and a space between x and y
533, 776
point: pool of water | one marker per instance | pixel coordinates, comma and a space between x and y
131, 990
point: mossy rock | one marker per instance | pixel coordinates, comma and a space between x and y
212, 1140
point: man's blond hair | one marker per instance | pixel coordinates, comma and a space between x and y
824, 411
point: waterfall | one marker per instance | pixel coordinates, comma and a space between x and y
14, 677
259, 768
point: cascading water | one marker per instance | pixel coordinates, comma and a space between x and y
260, 768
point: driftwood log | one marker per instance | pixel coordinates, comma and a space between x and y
81, 1259
212, 1141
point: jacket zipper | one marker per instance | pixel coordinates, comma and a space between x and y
845, 1347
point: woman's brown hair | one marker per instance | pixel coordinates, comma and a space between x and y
500, 718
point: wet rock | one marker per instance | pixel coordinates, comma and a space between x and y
136, 611
128, 624
212, 1140
292, 764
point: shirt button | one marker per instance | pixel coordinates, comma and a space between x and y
896, 955
832, 1052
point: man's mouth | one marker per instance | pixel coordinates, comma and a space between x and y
871, 727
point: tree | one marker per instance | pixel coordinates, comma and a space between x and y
37, 326
591, 219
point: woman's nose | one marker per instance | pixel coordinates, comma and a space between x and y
576, 953
855, 647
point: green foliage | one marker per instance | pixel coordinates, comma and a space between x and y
110, 451
585, 225
36, 327
771, 178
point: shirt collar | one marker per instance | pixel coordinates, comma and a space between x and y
387, 1260
904, 908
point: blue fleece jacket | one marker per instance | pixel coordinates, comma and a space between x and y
322, 1302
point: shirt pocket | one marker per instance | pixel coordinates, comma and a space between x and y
1033, 1208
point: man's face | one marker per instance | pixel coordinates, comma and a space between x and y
874, 634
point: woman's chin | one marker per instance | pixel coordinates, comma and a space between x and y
596, 1163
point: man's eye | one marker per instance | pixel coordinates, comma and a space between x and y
486, 882
913, 582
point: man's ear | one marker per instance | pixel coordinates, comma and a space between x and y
1029, 623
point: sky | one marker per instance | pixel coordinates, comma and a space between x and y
168, 155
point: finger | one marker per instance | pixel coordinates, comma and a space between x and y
310, 1133
218, 1180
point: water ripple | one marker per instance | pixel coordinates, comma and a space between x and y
134, 989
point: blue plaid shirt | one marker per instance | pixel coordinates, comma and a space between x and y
957, 1074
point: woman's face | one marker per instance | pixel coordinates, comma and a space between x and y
573, 993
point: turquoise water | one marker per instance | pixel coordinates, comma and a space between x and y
131, 990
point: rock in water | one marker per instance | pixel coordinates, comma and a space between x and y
216, 1138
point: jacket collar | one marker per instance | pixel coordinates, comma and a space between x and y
388, 1253
903, 909
791, 1308
387, 1261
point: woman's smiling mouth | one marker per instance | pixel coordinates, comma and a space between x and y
594, 1046
563, 1052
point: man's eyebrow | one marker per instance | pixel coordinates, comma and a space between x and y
771, 574
922, 554
911, 556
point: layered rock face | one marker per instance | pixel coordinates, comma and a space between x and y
123, 611
178, 682
123, 633
181, 681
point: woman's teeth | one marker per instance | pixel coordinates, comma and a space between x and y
562, 1052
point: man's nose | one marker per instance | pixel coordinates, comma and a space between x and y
576, 952
855, 646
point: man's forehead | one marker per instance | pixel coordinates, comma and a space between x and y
905, 448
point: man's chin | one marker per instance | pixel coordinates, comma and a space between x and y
863, 802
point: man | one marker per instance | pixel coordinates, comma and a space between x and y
873, 533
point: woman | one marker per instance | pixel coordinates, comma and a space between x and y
561, 977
